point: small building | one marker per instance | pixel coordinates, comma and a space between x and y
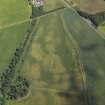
38, 3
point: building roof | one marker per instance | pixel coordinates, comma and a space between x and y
38, 3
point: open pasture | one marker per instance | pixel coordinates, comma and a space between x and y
50, 67
92, 52
13, 11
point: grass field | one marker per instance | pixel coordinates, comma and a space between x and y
10, 39
51, 63
50, 67
52, 4
92, 52
101, 28
13, 11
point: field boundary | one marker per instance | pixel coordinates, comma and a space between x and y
35, 18
98, 32
79, 63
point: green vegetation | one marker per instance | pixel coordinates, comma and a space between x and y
89, 6
9, 44
13, 11
50, 66
10, 39
96, 19
94, 10
52, 72
92, 52
52, 4
19, 88
12, 33
101, 28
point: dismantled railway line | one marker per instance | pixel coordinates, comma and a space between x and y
20, 52
16, 60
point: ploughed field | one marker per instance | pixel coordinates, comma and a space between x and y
89, 6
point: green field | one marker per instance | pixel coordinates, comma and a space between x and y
92, 52
13, 27
101, 28
10, 39
89, 6
52, 4
13, 11
64, 51
50, 67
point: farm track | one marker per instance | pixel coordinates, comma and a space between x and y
88, 94
79, 65
99, 33
77, 59
35, 18
57, 91
24, 46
